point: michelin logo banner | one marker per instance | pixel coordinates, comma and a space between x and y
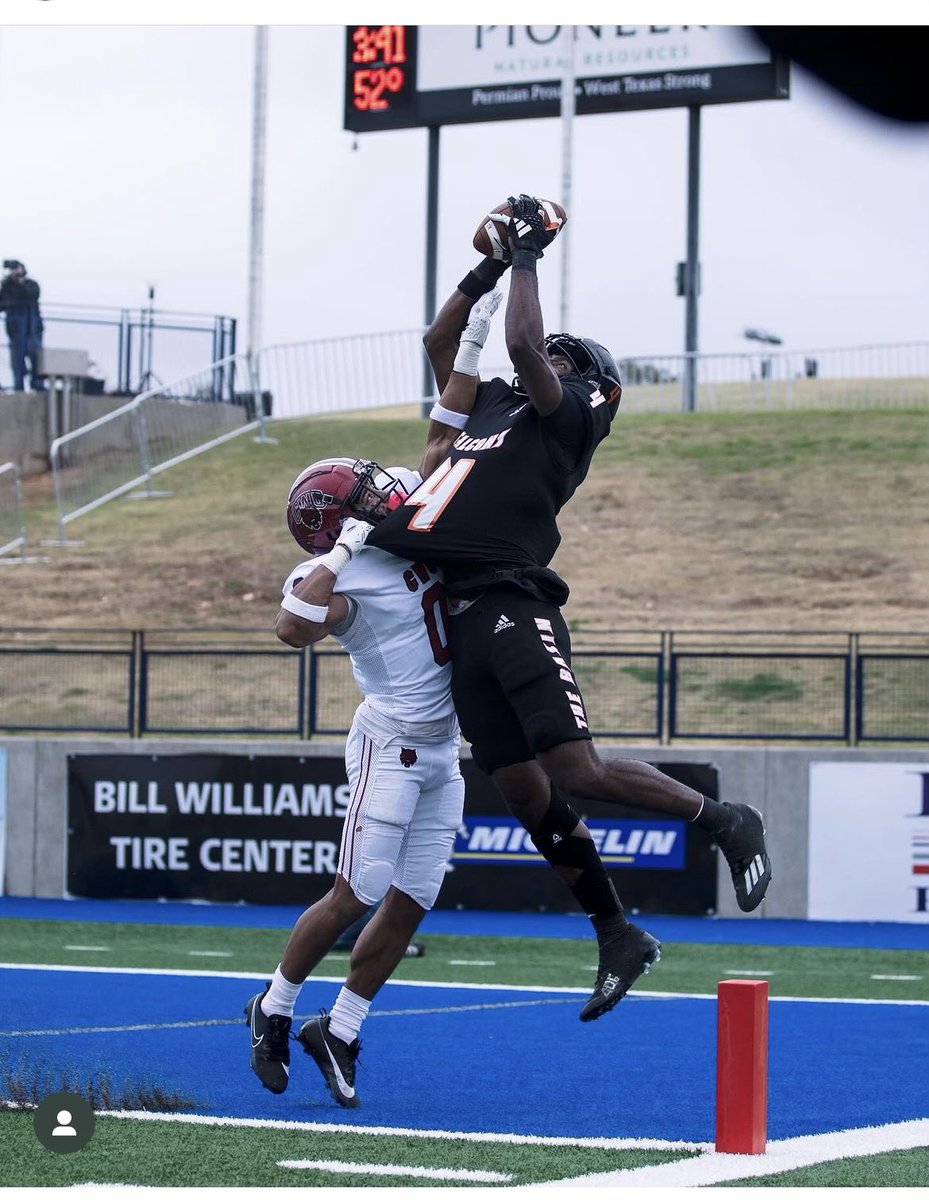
658, 864
620, 843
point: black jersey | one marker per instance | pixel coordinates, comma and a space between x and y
493, 503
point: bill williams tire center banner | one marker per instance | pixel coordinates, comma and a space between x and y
266, 830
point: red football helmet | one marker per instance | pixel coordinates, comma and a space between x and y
330, 491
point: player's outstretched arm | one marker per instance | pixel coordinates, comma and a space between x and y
313, 609
444, 334
457, 399
450, 415
525, 337
525, 333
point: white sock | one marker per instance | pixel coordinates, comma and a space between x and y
347, 1015
281, 996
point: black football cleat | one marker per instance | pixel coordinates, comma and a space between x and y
334, 1058
743, 845
623, 958
270, 1045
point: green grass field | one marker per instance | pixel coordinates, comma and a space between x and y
176, 1149
809, 501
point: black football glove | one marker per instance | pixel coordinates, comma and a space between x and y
527, 225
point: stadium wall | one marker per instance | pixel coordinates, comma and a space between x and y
25, 435
776, 779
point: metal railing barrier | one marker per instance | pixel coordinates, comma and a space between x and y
160, 428
659, 687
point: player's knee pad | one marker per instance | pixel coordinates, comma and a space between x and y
372, 880
375, 860
553, 837
424, 867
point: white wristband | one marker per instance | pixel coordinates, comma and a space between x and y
317, 613
445, 416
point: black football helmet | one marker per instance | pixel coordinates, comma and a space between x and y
591, 361
331, 491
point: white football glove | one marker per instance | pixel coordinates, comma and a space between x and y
347, 544
353, 535
478, 325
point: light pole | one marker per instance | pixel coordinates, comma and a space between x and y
568, 78
256, 224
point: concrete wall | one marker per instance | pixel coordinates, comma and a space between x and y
24, 425
24, 431
776, 780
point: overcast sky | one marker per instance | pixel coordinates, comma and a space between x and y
126, 152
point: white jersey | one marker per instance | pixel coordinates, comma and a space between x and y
396, 635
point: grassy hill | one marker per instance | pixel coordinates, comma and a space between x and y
773, 521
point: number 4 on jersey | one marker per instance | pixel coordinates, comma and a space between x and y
431, 497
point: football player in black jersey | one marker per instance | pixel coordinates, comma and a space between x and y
501, 461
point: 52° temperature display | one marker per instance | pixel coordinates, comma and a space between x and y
380, 76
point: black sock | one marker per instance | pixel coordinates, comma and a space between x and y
556, 842
609, 927
713, 817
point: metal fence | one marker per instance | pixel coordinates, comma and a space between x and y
386, 369
372, 370
128, 447
880, 376
649, 687
851, 377
132, 349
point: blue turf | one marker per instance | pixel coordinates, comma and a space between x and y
775, 932
646, 1070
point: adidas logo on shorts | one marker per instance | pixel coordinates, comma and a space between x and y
504, 622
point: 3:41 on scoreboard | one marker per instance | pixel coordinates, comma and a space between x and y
380, 69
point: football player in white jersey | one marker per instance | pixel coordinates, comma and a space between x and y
401, 758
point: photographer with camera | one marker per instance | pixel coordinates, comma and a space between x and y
19, 299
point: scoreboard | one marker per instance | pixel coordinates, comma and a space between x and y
404, 76
380, 77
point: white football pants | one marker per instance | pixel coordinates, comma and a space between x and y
407, 798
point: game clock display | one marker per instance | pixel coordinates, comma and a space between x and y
380, 77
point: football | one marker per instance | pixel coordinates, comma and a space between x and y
490, 237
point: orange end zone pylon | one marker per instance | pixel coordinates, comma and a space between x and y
742, 1066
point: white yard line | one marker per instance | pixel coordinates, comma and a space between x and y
508, 1139
379, 1012
906, 977
111, 1187
182, 972
211, 953
712, 1168
344, 1168
13, 1033
88, 947
471, 962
